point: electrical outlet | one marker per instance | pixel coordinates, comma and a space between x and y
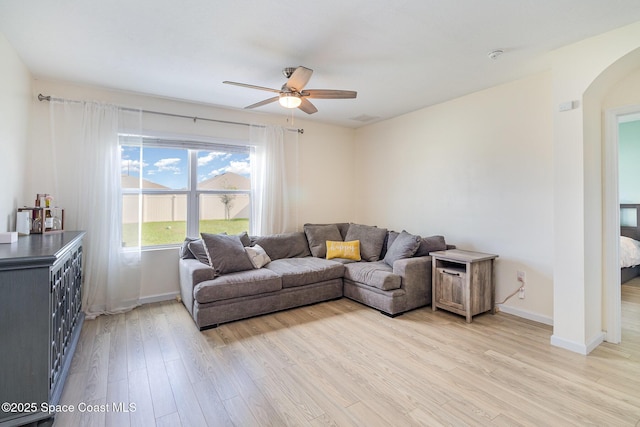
521, 293
521, 276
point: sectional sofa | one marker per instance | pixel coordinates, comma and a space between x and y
230, 277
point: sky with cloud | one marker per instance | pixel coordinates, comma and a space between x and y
169, 167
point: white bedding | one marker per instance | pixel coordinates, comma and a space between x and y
629, 252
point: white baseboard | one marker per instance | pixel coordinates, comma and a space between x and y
525, 314
578, 347
160, 297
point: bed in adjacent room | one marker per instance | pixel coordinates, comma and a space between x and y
629, 241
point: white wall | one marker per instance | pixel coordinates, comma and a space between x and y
324, 155
15, 92
584, 72
478, 170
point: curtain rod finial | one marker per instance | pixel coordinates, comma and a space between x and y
41, 97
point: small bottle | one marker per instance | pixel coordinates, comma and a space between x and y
48, 220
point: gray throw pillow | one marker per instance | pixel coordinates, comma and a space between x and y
431, 244
317, 236
371, 240
391, 236
403, 246
226, 253
196, 247
244, 238
185, 253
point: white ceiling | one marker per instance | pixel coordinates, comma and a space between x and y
400, 55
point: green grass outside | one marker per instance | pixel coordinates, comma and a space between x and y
172, 232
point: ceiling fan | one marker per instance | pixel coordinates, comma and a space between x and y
292, 93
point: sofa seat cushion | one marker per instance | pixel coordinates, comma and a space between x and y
376, 274
240, 284
303, 271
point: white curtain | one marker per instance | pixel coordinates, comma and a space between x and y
271, 201
87, 172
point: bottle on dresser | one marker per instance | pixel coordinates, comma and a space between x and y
48, 220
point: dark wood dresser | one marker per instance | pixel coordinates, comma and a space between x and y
40, 322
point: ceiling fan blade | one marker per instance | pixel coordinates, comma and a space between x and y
261, 103
307, 107
299, 78
268, 89
329, 94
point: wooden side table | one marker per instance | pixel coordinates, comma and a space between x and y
462, 282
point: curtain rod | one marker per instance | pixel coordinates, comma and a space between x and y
42, 97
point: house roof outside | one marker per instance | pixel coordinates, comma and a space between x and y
130, 181
224, 181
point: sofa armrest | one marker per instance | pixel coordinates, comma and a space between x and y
192, 272
416, 277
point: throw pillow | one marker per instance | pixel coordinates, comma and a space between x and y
185, 253
199, 252
431, 244
257, 256
403, 246
317, 236
371, 240
244, 238
346, 250
388, 241
226, 253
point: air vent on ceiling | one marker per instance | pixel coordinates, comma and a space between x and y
364, 118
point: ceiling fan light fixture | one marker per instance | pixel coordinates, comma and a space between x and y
290, 100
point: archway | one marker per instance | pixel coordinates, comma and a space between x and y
612, 112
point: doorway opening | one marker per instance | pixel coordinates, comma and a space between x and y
616, 191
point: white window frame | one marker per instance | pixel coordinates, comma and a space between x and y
192, 192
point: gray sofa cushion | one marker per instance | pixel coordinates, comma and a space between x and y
286, 245
431, 244
376, 274
403, 246
343, 227
303, 271
236, 285
226, 253
371, 240
317, 236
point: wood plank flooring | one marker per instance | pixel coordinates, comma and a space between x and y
340, 363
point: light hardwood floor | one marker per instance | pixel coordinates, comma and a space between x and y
340, 363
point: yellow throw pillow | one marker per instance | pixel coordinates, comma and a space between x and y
347, 250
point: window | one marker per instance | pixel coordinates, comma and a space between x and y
181, 188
